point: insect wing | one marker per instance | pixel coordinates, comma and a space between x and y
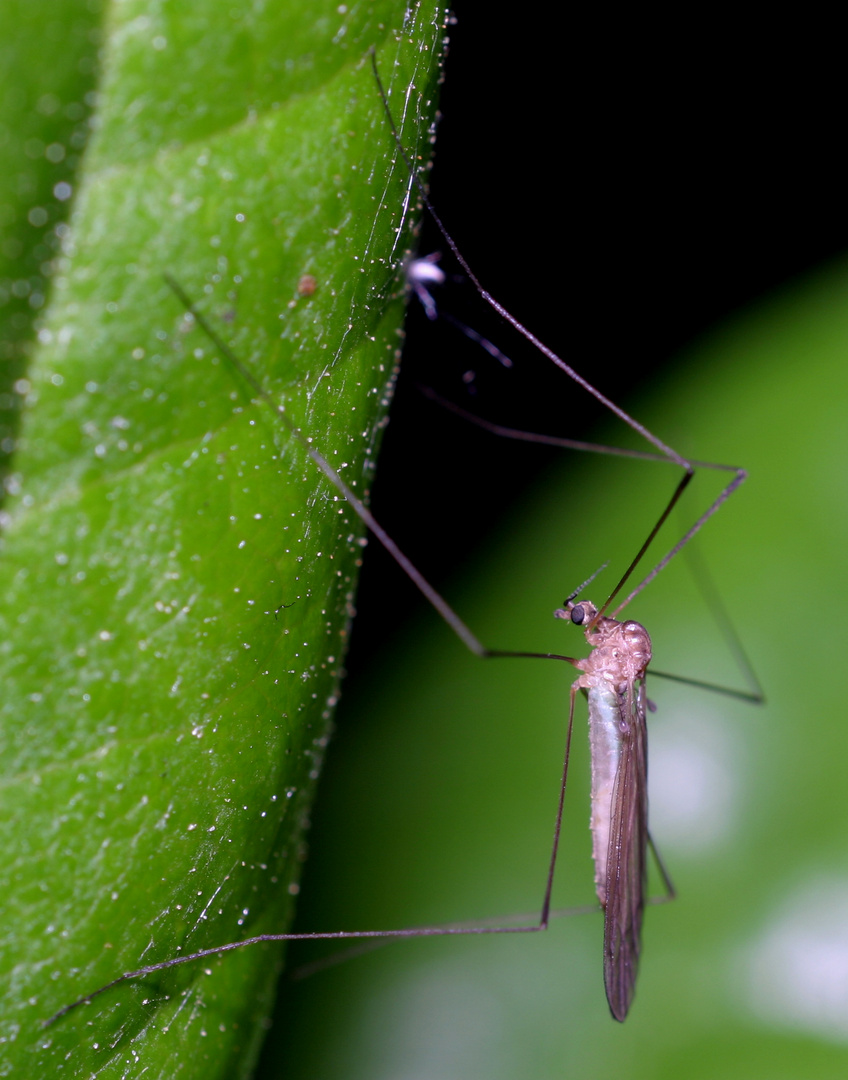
627, 857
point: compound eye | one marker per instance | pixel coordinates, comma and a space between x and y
578, 615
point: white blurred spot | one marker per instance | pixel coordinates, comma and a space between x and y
797, 974
694, 775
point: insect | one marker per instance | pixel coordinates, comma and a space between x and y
613, 677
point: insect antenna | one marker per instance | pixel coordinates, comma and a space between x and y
587, 582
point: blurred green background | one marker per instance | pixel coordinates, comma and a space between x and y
439, 794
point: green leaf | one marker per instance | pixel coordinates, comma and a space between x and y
441, 802
48, 57
163, 724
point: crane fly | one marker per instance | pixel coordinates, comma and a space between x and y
612, 676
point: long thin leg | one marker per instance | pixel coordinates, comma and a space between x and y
667, 451
670, 891
549, 887
462, 631
453, 930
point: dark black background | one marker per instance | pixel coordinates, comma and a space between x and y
620, 186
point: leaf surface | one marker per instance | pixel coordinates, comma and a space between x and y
163, 724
